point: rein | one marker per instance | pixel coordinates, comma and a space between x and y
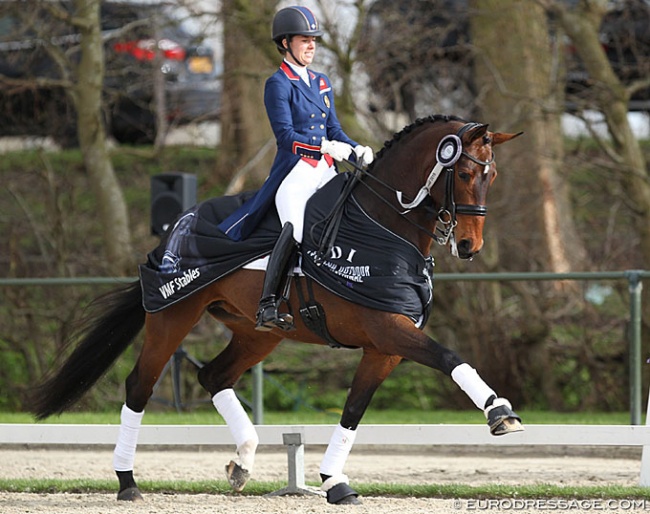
449, 151
400, 213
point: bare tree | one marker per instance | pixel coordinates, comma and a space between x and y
342, 42
530, 225
521, 90
249, 58
74, 65
418, 57
611, 96
87, 95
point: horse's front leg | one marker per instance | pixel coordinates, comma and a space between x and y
498, 411
400, 336
371, 372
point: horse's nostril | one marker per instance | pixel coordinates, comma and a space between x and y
465, 249
465, 245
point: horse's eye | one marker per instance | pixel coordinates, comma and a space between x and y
464, 176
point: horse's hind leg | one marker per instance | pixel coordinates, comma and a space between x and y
371, 372
164, 332
246, 348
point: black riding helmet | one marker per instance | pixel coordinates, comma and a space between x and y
293, 21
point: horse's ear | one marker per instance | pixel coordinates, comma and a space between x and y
500, 137
477, 132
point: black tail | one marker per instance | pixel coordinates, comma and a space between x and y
105, 336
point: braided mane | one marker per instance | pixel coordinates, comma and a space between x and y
417, 123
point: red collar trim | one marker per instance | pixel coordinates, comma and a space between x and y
291, 75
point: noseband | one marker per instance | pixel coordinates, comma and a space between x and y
449, 151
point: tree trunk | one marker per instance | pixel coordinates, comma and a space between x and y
530, 214
611, 98
249, 59
87, 96
520, 92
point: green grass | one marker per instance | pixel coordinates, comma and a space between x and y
210, 417
257, 488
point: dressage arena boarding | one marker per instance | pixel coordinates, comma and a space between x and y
406, 454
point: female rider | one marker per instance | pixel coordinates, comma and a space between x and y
300, 106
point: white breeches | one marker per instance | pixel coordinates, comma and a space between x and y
298, 186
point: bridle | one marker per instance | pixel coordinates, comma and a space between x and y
449, 151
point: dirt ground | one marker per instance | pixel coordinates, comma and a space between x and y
506, 465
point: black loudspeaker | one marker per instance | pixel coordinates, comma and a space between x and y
171, 194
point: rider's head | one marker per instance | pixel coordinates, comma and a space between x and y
296, 21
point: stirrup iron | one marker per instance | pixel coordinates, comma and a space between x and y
269, 318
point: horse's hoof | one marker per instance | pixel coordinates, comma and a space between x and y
508, 426
502, 419
237, 476
349, 500
131, 494
342, 494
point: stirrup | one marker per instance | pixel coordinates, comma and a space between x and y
268, 317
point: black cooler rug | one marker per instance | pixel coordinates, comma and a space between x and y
364, 262
195, 253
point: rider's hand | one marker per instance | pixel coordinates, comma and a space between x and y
364, 154
336, 149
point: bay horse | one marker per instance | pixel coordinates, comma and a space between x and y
428, 183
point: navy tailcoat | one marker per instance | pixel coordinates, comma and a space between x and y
301, 117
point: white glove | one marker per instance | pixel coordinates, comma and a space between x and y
364, 154
336, 149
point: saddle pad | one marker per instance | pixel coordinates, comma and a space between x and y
367, 263
261, 264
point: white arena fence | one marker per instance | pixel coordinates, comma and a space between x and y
294, 436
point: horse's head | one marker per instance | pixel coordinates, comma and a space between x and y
466, 167
444, 165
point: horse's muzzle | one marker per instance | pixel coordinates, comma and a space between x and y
466, 249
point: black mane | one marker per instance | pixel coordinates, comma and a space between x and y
417, 123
